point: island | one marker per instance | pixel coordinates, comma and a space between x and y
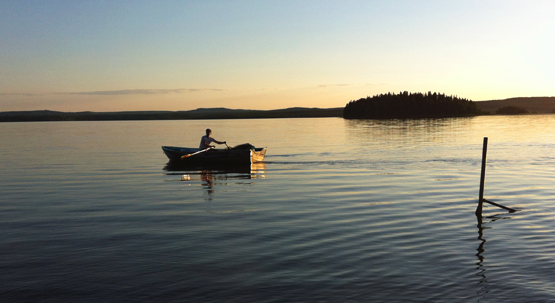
407, 105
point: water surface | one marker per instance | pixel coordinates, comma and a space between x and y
341, 211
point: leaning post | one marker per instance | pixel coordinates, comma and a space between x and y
482, 177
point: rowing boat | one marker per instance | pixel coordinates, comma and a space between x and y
244, 153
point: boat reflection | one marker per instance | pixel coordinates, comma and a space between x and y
210, 175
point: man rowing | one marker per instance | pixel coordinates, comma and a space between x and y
206, 140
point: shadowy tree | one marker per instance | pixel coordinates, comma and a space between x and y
410, 105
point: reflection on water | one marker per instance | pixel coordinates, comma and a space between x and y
431, 124
481, 268
407, 134
480, 264
351, 211
211, 175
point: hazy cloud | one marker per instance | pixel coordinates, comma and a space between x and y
143, 91
20, 94
350, 84
123, 92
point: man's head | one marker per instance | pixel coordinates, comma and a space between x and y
208, 131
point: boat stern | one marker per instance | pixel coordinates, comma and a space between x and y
258, 154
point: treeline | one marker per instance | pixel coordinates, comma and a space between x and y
201, 113
410, 105
511, 110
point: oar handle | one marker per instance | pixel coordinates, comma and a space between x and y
195, 153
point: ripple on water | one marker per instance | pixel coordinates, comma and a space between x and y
388, 219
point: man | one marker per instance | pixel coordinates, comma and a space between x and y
205, 141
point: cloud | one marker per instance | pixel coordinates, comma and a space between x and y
333, 85
142, 91
350, 84
123, 92
20, 94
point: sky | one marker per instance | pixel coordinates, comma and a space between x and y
116, 55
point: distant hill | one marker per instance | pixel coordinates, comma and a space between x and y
539, 105
200, 113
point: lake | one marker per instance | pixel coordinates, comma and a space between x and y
340, 211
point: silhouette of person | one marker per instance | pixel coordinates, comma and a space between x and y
206, 140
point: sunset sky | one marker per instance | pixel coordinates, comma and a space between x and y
129, 55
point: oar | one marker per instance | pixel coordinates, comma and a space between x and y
196, 153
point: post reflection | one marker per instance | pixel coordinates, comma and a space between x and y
212, 176
480, 264
483, 282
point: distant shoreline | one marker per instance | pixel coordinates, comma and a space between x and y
534, 105
197, 114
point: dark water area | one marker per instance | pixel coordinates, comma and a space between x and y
340, 211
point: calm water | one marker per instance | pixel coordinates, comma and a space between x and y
341, 211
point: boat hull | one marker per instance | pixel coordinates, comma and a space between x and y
213, 156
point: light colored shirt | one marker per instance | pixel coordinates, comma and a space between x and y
205, 142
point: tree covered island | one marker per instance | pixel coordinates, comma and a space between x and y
407, 105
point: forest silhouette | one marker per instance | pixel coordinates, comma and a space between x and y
407, 105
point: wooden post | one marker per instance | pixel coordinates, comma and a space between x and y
481, 199
482, 177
